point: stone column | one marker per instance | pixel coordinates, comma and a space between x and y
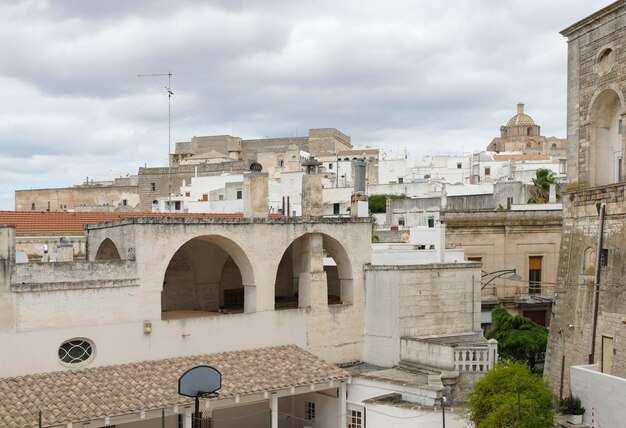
342, 406
313, 290
255, 194
312, 197
7, 261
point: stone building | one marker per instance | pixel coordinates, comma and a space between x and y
589, 326
274, 303
522, 134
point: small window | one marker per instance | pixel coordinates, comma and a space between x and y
125, 202
187, 194
281, 163
177, 205
76, 351
528, 130
220, 197
604, 257
32, 206
239, 194
459, 165
336, 209
309, 411
355, 419
155, 202
474, 259
401, 221
534, 274
620, 126
554, 145
400, 180
153, 187
205, 196
562, 166
330, 166
487, 171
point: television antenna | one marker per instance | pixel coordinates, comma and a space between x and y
169, 92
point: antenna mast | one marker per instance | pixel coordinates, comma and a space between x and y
168, 88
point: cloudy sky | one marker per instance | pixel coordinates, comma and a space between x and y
431, 76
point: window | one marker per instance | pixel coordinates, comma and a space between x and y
155, 202
309, 411
562, 166
281, 163
187, 194
475, 259
459, 165
604, 257
401, 221
153, 187
620, 126
125, 202
336, 209
534, 274
32, 206
355, 419
76, 351
239, 194
220, 197
205, 197
400, 180
177, 205
330, 166
487, 171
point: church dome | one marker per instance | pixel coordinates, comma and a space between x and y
520, 119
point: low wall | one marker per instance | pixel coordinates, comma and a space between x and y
436, 355
601, 393
39, 276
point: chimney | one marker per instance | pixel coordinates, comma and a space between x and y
520, 108
358, 203
312, 196
255, 193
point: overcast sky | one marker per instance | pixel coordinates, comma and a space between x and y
431, 76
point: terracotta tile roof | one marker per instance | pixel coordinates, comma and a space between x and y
62, 221
81, 395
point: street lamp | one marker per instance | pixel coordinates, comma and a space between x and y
497, 274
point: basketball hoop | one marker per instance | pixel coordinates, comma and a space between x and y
206, 405
201, 383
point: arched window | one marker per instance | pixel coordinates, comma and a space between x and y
32, 206
107, 251
606, 147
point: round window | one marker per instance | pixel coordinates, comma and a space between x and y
76, 351
605, 61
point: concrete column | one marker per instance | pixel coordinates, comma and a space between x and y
208, 295
274, 409
342, 406
255, 194
7, 261
187, 418
249, 299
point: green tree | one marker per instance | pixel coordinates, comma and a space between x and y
519, 338
540, 190
378, 203
511, 396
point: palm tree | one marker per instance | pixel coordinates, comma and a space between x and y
540, 191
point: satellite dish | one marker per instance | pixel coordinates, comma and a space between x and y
405, 237
199, 380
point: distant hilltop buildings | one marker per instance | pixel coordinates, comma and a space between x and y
207, 171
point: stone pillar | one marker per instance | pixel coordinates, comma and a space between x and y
7, 261
255, 194
274, 410
359, 206
313, 292
312, 197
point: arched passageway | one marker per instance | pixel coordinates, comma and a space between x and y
205, 277
305, 261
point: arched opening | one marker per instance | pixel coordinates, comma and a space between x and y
107, 251
206, 277
302, 259
606, 139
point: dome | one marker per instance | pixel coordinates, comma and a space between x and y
520, 119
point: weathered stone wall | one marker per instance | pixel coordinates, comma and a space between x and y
571, 330
70, 197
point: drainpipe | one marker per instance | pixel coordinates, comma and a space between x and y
596, 287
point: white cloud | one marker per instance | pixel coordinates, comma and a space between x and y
431, 76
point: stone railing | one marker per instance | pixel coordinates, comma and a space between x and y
476, 358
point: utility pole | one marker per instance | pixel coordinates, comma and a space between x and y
443, 411
168, 89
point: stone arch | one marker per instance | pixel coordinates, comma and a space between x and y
304, 261
606, 137
107, 251
207, 275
